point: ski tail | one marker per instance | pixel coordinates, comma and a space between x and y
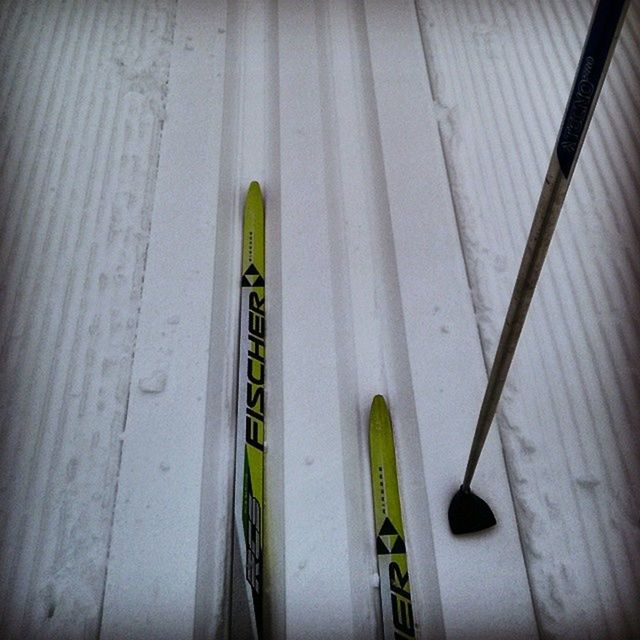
393, 567
250, 422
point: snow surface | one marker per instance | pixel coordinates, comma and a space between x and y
401, 149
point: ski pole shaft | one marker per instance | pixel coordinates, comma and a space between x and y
596, 54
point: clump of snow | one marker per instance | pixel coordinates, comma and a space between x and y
154, 383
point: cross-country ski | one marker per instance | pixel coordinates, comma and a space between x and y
249, 483
395, 588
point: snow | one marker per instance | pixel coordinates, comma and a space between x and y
154, 383
78, 152
401, 150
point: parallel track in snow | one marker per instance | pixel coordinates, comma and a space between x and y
81, 104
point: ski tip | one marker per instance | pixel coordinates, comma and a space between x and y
468, 513
379, 409
254, 192
379, 417
254, 204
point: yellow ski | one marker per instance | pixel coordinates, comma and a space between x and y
395, 588
249, 503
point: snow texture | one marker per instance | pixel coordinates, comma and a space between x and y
401, 148
82, 91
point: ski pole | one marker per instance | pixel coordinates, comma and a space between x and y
466, 514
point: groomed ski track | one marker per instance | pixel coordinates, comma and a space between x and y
401, 149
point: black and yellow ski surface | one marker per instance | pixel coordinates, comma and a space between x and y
395, 588
250, 435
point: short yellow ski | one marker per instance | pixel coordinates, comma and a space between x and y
249, 483
395, 588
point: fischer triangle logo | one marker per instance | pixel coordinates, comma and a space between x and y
389, 540
252, 277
